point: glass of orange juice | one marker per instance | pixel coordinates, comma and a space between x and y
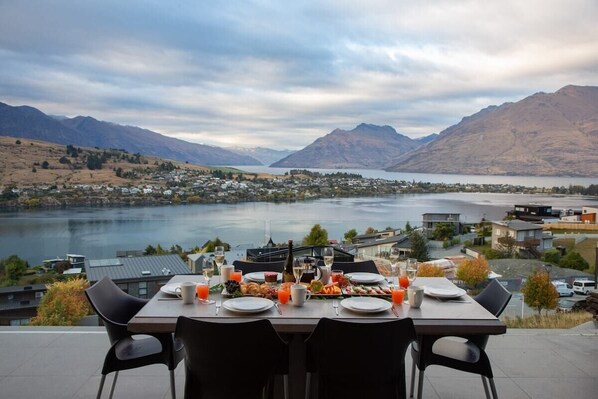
404, 281
284, 294
398, 295
236, 275
203, 293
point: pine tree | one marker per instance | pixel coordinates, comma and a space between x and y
419, 247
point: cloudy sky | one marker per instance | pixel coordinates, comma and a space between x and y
280, 74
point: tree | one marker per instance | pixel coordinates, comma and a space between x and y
316, 236
473, 271
64, 304
370, 230
45, 165
507, 245
94, 161
350, 235
211, 245
539, 293
13, 268
443, 231
408, 227
430, 270
552, 256
419, 246
573, 260
160, 250
149, 250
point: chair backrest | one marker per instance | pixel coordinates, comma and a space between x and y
360, 360
494, 298
113, 306
230, 360
368, 266
252, 267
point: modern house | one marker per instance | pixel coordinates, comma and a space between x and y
431, 220
140, 276
531, 212
588, 214
364, 238
520, 236
381, 247
18, 304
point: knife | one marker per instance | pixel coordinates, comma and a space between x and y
278, 308
394, 310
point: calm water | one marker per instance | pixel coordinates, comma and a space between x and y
526, 181
100, 232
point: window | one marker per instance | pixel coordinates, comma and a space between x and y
19, 322
124, 287
39, 295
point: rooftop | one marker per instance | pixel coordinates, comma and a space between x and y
65, 362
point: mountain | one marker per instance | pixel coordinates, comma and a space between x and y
427, 139
28, 122
366, 146
546, 134
266, 156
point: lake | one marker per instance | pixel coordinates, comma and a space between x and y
100, 232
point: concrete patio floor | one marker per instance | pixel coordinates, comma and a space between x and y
55, 362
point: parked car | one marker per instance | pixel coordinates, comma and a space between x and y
563, 289
584, 286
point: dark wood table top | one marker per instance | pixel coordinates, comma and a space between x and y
434, 317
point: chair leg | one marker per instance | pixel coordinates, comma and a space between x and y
420, 384
172, 388
285, 383
307, 385
113, 384
493, 387
101, 386
486, 387
412, 380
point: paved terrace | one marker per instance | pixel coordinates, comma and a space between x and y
55, 362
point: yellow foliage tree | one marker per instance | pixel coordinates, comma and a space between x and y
64, 304
473, 271
429, 270
539, 293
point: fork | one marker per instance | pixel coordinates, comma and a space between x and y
218, 304
335, 306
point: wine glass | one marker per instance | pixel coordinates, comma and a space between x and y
328, 255
411, 269
208, 271
394, 263
298, 268
219, 257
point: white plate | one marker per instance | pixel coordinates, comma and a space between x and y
248, 304
170, 288
444, 292
365, 304
365, 278
258, 277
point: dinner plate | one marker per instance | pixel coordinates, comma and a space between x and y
365, 278
170, 289
258, 277
365, 304
248, 304
444, 292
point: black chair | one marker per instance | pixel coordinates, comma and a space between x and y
467, 355
368, 266
252, 267
231, 360
333, 357
116, 308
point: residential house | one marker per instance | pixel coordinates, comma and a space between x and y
431, 220
588, 214
18, 304
140, 276
523, 237
381, 247
531, 212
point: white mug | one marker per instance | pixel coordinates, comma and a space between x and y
186, 291
325, 273
225, 271
299, 294
415, 295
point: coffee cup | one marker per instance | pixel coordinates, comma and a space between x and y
225, 271
326, 272
186, 291
415, 294
299, 295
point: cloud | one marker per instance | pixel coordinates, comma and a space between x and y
282, 74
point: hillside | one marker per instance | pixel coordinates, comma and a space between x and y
28, 122
366, 146
266, 156
553, 134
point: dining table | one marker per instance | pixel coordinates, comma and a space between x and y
435, 317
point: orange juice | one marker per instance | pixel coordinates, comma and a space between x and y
237, 275
203, 291
404, 282
398, 295
283, 295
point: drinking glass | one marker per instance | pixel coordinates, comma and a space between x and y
398, 294
336, 275
203, 293
236, 275
284, 292
328, 256
219, 257
207, 270
298, 269
411, 269
394, 263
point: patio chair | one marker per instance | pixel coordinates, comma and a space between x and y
252, 267
368, 266
467, 354
127, 351
232, 360
333, 357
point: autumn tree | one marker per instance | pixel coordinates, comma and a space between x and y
370, 230
429, 270
316, 236
419, 246
350, 235
64, 304
539, 293
473, 271
443, 231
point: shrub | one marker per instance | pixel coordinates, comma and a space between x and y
473, 271
539, 293
573, 260
64, 304
552, 256
429, 270
45, 165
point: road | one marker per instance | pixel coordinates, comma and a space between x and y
517, 307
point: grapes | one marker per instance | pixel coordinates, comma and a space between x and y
232, 286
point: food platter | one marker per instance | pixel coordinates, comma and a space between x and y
367, 290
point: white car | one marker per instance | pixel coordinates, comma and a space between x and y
563, 289
584, 286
